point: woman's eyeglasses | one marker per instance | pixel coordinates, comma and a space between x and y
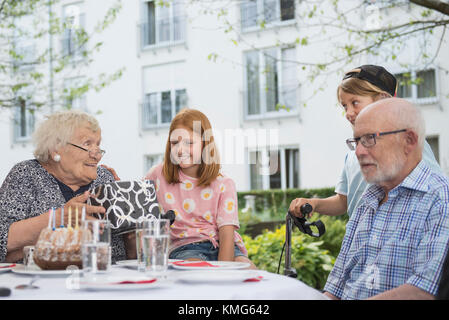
92, 153
368, 140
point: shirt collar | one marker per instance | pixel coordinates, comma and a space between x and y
416, 180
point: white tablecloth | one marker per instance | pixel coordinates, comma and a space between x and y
272, 287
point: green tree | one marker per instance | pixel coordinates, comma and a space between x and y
39, 49
335, 33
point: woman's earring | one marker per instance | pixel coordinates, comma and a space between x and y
57, 158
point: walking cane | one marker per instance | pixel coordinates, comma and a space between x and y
303, 226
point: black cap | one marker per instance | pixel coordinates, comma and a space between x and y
376, 75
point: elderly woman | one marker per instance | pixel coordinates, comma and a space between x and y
67, 154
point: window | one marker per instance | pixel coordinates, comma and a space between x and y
255, 13
426, 84
420, 86
74, 94
435, 146
275, 169
73, 41
24, 47
164, 93
159, 108
271, 82
23, 122
151, 161
163, 23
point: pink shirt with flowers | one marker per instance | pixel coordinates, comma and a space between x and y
200, 211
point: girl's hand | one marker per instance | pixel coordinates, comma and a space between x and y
226, 240
112, 171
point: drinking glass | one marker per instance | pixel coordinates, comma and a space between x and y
95, 246
28, 260
155, 243
141, 224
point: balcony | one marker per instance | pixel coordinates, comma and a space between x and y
163, 32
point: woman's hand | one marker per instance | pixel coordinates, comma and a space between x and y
112, 171
78, 202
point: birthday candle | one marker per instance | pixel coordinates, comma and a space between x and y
76, 218
69, 223
62, 217
54, 218
49, 218
83, 214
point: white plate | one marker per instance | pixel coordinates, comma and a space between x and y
217, 265
220, 276
133, 263
36, 271
112, 284
4, 267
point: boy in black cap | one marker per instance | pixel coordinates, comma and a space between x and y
359, 88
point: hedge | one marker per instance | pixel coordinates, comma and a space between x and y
273, 204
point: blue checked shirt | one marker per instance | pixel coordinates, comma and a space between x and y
404, 240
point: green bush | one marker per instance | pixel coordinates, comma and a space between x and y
275, 202
311, 262
311, 257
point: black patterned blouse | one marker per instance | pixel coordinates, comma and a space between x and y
29, 190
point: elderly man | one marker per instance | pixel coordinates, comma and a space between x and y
396, 241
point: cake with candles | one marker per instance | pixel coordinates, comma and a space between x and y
59, 247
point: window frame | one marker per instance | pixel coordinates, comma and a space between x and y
74, 54
264, 113
30, 120
144, 26
260, 12
159, 124
159, 157
414, 87
81, 101
282, 163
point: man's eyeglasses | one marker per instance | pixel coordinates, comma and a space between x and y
92, 153
368, 140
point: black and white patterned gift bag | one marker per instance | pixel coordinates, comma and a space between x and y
125, 202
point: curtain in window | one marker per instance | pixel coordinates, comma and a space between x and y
271, 79
248, 12
404, 85
164, 23
181, 100
252, 80
150, 109
23, 120
426, 84
255, 167
178, 20
270, 10
289, 80
166, 115
149, 26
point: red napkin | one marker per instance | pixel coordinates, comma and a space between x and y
10, 266
256, 279
194, 264
135, 282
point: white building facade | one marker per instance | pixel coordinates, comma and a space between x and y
262, 106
